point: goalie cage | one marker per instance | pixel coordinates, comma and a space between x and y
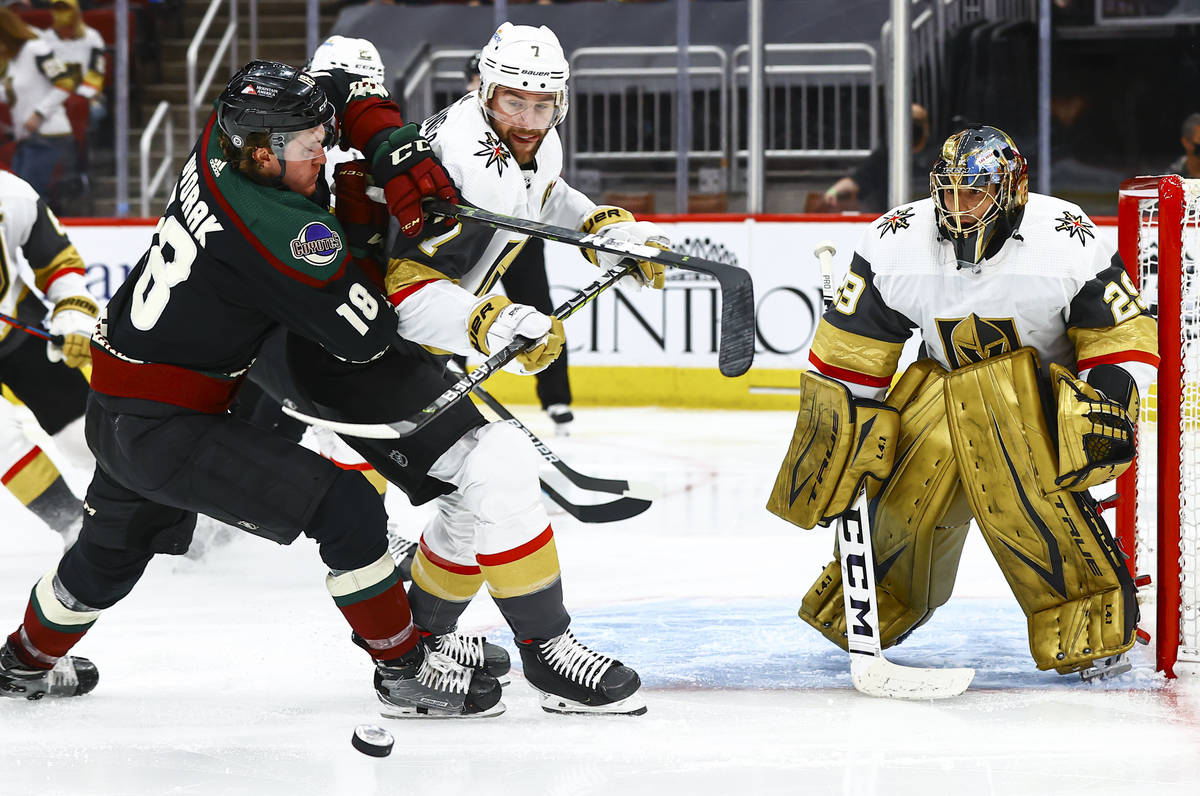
1158, 510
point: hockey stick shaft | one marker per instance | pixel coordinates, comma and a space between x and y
735, 352
36, 331
455, 392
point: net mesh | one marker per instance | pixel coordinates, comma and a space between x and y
1149, 491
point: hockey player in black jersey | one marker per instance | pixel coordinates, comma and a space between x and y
246, 245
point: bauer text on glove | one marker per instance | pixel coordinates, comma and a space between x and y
620, 225
495, 322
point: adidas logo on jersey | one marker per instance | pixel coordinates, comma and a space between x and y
217, 165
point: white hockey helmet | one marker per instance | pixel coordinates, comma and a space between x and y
528, 59
356, 56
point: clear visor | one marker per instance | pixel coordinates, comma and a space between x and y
307, 144
526, 110
967, 202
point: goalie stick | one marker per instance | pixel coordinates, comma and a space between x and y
735, 352
871, 672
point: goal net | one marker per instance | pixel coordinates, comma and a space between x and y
1158, 514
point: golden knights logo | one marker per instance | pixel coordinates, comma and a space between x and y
974, 339
1074, 225
494, 151
894, 221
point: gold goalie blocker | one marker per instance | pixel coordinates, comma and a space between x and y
972, 443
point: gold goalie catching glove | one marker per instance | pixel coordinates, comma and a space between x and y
618, 224
495, 322
838, 442
1095, 425
74, 317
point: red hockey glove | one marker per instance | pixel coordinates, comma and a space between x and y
408, 170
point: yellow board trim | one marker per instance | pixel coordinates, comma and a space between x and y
700, 388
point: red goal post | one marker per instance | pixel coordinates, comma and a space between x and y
1157, 519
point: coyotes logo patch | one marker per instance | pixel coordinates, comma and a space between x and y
1074, 225
495, 152
894, 221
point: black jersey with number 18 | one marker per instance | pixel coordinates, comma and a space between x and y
230, 260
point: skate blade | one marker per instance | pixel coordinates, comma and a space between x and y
632, 705
390, 711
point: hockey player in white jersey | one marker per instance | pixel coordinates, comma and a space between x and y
41, 269
501, 148
1035, 347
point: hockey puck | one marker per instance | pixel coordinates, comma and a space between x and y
372, 740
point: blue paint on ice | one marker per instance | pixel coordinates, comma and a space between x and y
762, 644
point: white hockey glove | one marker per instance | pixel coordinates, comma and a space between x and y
495, 321
613, 222
74, 317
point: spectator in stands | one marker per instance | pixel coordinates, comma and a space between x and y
526, 282
81, 50
866, 188
35, 85
1188, 164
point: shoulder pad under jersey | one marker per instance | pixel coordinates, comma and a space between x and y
1059, 224
899, 231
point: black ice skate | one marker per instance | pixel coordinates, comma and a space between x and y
474, 652
71, 676
562, 416
573, 679
427, 684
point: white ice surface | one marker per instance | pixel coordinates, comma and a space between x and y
234, 674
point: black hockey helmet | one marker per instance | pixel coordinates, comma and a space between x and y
976, 161
280, 100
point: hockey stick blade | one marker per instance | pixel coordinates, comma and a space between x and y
735, 352
610, 485
879, 677
614, 511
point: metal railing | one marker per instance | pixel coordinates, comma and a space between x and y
627, 112
433, 81
228, 42
815, 109
148, 185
